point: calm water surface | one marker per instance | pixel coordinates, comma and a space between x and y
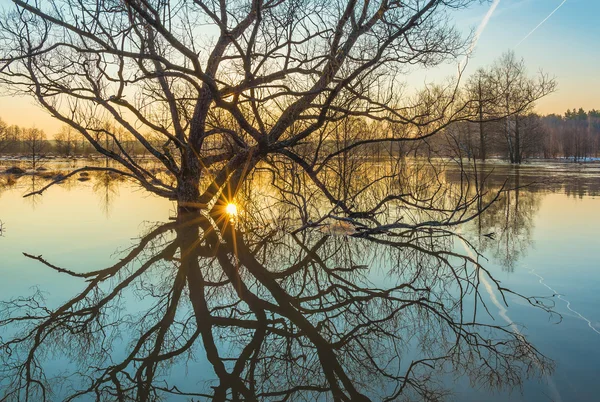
545, 243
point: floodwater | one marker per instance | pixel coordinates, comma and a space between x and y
540, 241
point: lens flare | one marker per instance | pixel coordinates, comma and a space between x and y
231, 209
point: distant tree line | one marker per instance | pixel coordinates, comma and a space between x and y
34, 143
574, 136
506, 125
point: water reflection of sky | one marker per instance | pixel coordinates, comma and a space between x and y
563, 250
69, 226
84, 226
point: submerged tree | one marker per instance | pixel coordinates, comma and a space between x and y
225, 85
502, 100
479, 88
295, 95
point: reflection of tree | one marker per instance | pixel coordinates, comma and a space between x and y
106, 185
510, 220
581, 183
277, 316
33, 184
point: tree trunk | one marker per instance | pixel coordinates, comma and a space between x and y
188, 193
517, 150
481, 133
508, 134
509, 142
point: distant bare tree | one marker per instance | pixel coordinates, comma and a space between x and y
34, 143
516, 93
5, 139
479, 89
13, 136
65, 141
552, 135
533, 134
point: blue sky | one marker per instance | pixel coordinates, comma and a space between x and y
567, 47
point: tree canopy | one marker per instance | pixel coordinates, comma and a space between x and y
222, 85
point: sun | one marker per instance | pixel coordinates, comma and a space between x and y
231, 209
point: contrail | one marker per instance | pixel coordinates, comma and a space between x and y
462, 64
541, 23
482, 25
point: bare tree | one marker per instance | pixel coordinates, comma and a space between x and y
294, 94
480, 90
5, 139
516, 93
532, 135
65, 141
34, 143
552, 135
275, 76
14, 138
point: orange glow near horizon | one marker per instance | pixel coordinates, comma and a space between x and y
22, 112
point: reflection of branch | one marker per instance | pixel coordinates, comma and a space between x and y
94, 169
56, 268
258, 303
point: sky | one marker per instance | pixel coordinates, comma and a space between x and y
566, 46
